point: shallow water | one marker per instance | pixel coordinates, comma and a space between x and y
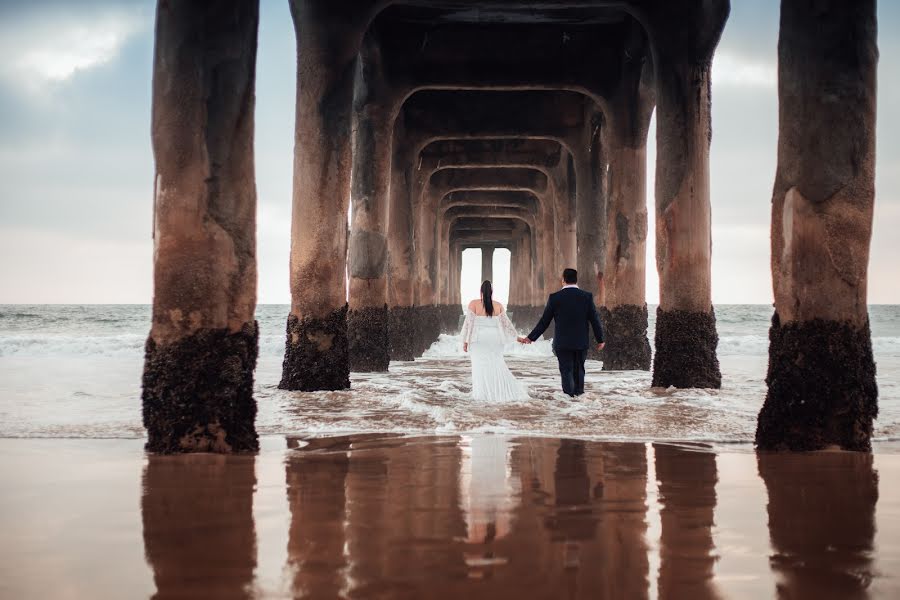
452, 516
74, 371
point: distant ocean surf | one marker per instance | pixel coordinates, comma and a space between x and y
74, 371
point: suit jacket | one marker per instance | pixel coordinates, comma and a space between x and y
573, 310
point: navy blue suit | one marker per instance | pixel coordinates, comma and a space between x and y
573, 310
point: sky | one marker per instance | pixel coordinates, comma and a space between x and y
76, 168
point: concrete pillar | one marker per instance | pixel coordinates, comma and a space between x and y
487, 263
590, 219
316, 354
624, 310
367, 321
686, 337
412, 328
401, 251
517, 279
565, 184
821, 381
201, 352
455, 275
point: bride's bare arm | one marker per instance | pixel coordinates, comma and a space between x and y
468, 326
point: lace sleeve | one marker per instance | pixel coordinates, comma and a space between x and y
468, 327
507, 329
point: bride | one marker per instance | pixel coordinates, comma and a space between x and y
485, 331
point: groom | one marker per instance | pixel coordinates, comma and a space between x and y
573, 309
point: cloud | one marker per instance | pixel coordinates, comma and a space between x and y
731, 69
43, 47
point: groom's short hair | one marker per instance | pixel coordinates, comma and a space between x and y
570, 276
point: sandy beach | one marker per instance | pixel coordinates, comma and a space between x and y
476, 516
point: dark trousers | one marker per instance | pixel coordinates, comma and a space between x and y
571, 369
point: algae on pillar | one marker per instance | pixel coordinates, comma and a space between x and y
821, 380
203, 344
685, 35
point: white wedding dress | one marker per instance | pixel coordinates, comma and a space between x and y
491, 379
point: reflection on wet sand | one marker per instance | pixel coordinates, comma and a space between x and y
687, 495
316, 497
821, 522
450, 517
199, 535
387, 516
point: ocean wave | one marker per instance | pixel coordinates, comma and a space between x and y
447, 346
50, 345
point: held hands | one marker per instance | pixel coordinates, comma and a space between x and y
523, 340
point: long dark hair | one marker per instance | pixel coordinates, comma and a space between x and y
487, 290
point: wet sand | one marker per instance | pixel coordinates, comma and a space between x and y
483, 516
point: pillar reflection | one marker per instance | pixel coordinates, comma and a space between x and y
687, 494
486, 517
316, 482
199, 533
821, 522
371, 513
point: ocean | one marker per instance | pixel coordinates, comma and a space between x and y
74, 371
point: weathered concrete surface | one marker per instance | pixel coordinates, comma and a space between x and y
487, 263
683, 222
373, 115
402, 248
625, 332
329, 37
317, 355
822, 389
201, 352
590, 162
623, 288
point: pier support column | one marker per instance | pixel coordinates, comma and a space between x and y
821, 381
590, 169
202, 349
487, 263
517, 278
624, 311
316, 353
367, 321
591, 208
686, 337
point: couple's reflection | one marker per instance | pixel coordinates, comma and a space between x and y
579, 529
199, 535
